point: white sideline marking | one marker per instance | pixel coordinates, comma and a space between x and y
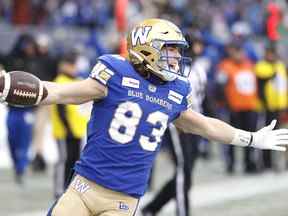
234, 188
38, 213
238, 188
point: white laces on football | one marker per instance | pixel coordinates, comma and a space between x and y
267, 138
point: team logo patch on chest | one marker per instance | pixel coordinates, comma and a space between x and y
174, 96
130, 82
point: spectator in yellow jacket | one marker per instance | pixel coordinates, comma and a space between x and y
272, 89
69, 127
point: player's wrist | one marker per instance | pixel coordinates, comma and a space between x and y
243, 138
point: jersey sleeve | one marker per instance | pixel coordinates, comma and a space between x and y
101, 73
184, 86
188, 99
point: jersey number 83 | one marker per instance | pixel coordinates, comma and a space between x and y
126, 120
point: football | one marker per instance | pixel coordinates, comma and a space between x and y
20, 88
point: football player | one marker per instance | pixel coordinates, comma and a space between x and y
134, 101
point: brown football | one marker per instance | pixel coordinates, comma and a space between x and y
25, 89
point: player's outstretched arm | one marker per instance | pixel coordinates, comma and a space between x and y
74, 93
19, 88
217, 130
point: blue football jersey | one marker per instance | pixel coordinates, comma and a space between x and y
126, 127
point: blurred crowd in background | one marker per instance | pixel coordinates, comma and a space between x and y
243, 44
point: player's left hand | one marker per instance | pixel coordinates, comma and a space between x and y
267, 138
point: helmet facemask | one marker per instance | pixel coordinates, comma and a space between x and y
170, 65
